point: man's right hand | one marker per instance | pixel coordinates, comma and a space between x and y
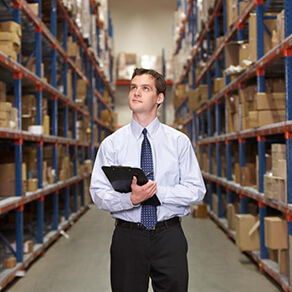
141, 193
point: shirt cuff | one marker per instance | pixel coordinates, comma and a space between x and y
126, 201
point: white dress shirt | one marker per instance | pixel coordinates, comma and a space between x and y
176, 171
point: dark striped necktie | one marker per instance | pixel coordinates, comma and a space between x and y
148, 212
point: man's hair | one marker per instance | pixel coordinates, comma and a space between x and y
160, 83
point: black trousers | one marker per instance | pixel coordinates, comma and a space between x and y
160, 254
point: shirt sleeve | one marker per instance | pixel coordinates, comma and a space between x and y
101, 191
191, 187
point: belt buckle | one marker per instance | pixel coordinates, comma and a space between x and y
154, 227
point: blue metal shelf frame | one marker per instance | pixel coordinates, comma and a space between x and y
18, 150
288, 75
42, 37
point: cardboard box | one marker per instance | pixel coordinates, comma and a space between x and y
231, 12
9, 50
244, 56
219, 84
247, 232
11, 26
88, 166
232, 54
127, 62
273, 254
248, 175
203, 93
34, 7
280, 168
7, 172
46, 124
5, 106
268, 185
231, 216
7, 188
28, 246
32, 184
271, 25
193, 99
279, 148
276, 233
279, 188
2, 92
202, 211
72, 47
283, 261
9, 263
270, 101
266, 117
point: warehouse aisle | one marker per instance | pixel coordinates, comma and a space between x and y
81, 263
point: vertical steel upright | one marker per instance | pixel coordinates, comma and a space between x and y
243, 199
218, 118
261, 140
66, 110
74, 134
209, 116
54, 120
39, 121
18, 149
240, 32
288, 70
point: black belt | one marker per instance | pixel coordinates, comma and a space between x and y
138, 226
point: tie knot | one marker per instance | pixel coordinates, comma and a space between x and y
144, 132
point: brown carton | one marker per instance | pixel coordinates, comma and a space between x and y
9, 263
46, 124
11, 26
7, 188
271, 25
270, 101
28, 246
32, 184
276, 233
232, 54
231, 216
247, 232
202, 211
266, 117
283, 261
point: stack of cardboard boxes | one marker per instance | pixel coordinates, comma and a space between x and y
276, 234
10, 39
7, 179
275, 181
127, 62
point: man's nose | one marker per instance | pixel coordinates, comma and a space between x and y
137, 92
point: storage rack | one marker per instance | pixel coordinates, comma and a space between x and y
207, 140
44, 45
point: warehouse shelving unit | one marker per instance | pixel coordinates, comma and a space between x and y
217, 140
39, 39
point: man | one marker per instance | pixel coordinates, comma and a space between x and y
148, 240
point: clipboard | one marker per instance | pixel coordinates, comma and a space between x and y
121, 178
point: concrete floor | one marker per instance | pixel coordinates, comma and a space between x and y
81, 263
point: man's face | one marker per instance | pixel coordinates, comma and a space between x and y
143, 97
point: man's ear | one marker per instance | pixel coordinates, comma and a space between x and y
160, 98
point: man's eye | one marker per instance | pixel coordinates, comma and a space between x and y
146, 88
132, 87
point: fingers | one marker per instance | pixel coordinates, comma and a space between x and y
134, 181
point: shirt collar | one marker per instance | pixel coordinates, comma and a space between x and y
151, 128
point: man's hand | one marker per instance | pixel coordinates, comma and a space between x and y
142, 193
